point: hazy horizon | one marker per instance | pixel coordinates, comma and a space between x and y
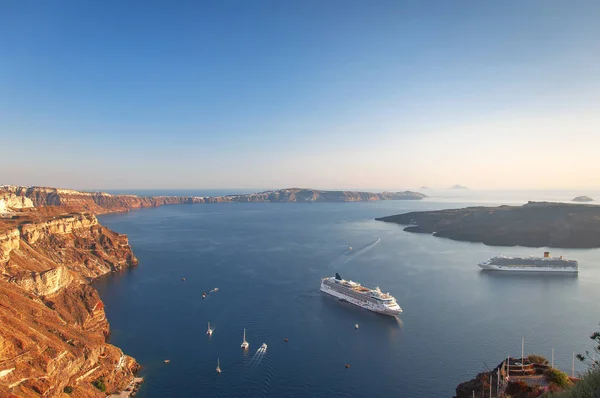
383, 95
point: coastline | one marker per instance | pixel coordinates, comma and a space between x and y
131, 389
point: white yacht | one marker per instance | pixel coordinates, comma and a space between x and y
245, 344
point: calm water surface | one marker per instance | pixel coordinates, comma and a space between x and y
267, 260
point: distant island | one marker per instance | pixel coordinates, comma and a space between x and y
424, 187
458, 187
536, 224
583, 199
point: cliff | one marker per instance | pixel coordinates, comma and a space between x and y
536, 224
100, 202
313, 195
53, 329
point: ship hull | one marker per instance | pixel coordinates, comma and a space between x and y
380, 309
516, 268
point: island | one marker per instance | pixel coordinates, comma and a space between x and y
583, 199
458, 187
535, 224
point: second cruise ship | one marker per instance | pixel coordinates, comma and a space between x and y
531, 264
352, 292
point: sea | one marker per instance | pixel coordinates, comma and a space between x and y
267, 260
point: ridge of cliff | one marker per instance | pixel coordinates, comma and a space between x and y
101, 202
53, 329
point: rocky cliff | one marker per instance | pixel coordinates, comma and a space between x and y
100, 202
53, 330
536, 224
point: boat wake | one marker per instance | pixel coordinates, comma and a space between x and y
350, 255
257, 357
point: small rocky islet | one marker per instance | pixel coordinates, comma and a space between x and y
582, 199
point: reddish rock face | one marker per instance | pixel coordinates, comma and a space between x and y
53, 329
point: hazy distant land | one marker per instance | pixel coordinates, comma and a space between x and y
536, 224
583, 199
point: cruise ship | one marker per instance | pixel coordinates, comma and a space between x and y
530, 264
352, 292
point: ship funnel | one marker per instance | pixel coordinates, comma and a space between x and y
338, 277
546, 254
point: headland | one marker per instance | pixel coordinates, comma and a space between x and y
535, 224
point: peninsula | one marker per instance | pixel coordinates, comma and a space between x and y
535, 224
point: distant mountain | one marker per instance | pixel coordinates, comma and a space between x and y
458, 187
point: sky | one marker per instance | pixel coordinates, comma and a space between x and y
321, 94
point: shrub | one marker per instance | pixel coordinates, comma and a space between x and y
557, 377
587, 387
518, 388
538, 359
99, 384
68, 389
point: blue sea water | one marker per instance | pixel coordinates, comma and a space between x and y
267, 260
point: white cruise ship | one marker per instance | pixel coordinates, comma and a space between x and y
531, 264
352, 292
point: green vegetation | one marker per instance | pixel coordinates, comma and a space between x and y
561, 379
68, 390
587, 387
99, 384
538, 359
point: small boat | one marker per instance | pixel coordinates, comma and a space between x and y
356, 326
245, 344
218, 366
263, 346
204, 295
216, 289
183, 279
347, 366
167, 360
286, 340
349, 248
209, 331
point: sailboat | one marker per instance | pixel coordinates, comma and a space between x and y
209, 331
218, 366
245, 344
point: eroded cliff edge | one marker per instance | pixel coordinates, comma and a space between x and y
53, 329
536, 224
100, 202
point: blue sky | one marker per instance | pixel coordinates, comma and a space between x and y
326, 94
